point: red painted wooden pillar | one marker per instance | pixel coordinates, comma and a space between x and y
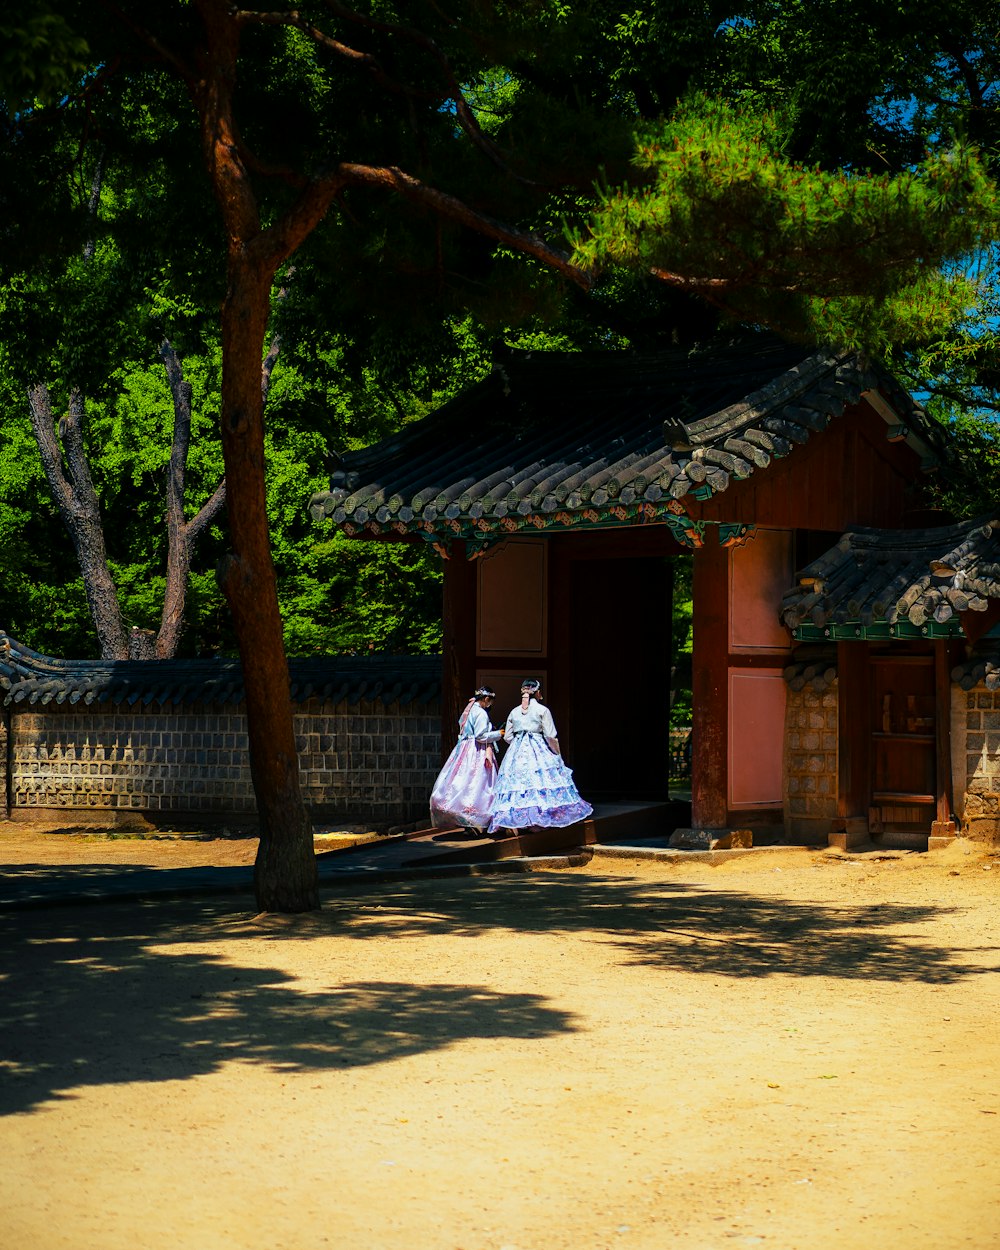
458, 643
942, 691
710, 687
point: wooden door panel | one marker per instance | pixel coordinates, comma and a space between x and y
903, 742
903, 767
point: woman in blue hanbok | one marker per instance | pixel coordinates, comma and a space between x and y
463, 792
534, 785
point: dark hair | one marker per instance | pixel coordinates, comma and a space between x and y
533, 687
484, 692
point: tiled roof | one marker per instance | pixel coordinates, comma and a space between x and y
980, 669
553, 439
28, 677
813, 666
897, 583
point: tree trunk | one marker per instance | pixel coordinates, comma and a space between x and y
178, 549
78, 505
181, 534
285, 876
141, 644
285, 881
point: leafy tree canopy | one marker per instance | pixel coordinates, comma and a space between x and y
858, 260
392, 147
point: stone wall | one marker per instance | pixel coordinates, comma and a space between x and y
810, 763
4, 724
975, 730
359, 762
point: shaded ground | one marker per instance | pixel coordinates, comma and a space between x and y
784, 1051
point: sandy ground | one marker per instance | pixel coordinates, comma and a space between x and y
789, 1051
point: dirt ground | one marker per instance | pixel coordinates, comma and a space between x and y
789, 1050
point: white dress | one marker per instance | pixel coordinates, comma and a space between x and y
534, 785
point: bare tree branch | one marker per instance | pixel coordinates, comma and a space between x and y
391, 178
451, 89
268, 366
181, 534
77, 502
207, 513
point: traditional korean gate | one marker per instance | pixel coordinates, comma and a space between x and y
903, 744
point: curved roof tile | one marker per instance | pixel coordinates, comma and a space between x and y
550, 436
907, 582
26, 676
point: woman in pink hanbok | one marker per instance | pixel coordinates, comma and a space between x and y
463, 792
534, 785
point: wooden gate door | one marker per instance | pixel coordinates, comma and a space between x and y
904, 744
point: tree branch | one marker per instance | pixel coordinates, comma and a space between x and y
43, 427
181, 534
466, 117
80, 510
207, 513
390, 178
178, 551
147, 37
963, 398
972, 84
365, 60
268, 366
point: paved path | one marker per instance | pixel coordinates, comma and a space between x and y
426, 853
33, 885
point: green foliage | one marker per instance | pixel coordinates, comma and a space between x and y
337, 596
41, 56
974, 491
682, 641
351, 598
869, 85
856, 260
794, 188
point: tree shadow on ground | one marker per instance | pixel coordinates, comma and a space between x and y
58, 878
96, 996
677, 927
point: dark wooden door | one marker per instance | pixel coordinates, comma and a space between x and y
620, 699
904, 744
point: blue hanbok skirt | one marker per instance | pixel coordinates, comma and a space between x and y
535, 788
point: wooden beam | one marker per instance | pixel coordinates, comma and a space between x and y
562, 677
458, 644
710, 688
942, 721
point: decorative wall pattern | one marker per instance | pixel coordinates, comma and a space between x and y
810, 762
4, 798
978, 740
363, 761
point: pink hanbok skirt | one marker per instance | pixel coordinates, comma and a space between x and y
463, 792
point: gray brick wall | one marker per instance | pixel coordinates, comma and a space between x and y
976, 745
4, 739
810, 763
362, 762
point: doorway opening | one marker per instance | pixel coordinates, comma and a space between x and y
626, 678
